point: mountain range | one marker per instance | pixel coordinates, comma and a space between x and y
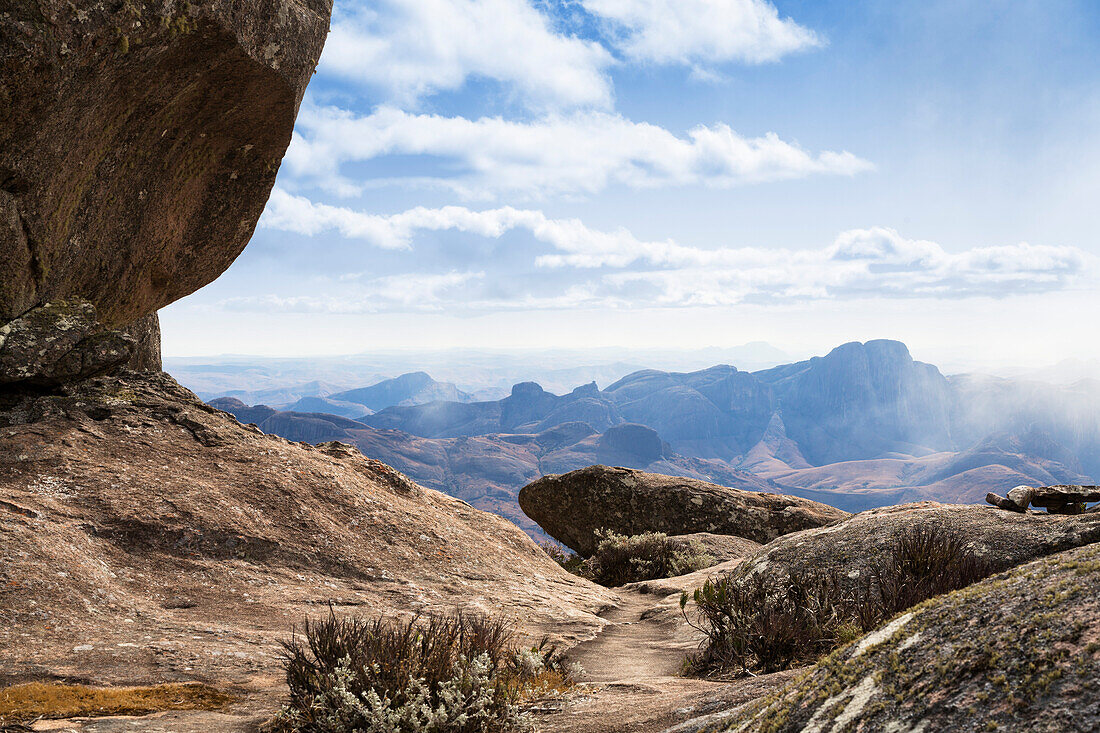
865, 425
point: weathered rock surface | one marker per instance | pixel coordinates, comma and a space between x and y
721, 547
139, 142
1003, 538
147, 537
60, 341
572, 506
146, 333
1017, 652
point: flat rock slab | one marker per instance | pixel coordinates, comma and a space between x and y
1054, 496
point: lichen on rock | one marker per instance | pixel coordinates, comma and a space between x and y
1019, 651
60, 341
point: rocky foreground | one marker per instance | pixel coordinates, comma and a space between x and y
146, 537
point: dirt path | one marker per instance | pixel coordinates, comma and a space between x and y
632, 667
645, 639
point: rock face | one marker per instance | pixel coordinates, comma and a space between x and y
1018, 651
1004, 538
139, 142
571, 507
721, 547
862, 400
60, 341
145, 536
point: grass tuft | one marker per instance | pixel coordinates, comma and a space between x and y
621, 559
37, 700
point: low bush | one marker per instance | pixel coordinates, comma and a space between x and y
620, 559
569, 560
754, 622
439, 673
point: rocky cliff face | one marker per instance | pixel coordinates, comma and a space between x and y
138, 144
862, 400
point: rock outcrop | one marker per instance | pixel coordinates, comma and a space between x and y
1058, 499
1018, 651
848, 548
572, 506
145, 536
138, 144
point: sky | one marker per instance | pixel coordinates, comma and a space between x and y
685, 174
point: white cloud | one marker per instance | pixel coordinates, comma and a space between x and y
404, 292
693, 31
875, 262
577, 153
412, 48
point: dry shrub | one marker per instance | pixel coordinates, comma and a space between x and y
438, 673
620, 559
49, 700
755, 622
569, 560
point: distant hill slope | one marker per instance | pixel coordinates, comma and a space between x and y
413, 388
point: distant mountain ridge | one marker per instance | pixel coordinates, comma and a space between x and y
865, 425
859, 401
413, 388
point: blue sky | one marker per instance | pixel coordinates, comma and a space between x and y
686, 173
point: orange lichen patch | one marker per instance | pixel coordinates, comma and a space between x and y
36, 700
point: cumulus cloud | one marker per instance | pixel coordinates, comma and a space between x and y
577, 153
859, 263
412, 48
702, 31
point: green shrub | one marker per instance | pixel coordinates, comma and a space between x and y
755, 622
439, 673
620, 559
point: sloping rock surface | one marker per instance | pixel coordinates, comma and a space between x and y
147, 537
1016, 652
139, 142
1003, 538
572, 506
721, 547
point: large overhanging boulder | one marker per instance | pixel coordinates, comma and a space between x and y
139, 142
572, 506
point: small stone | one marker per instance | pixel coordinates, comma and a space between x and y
1022, 496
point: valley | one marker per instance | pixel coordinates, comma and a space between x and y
863, 426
